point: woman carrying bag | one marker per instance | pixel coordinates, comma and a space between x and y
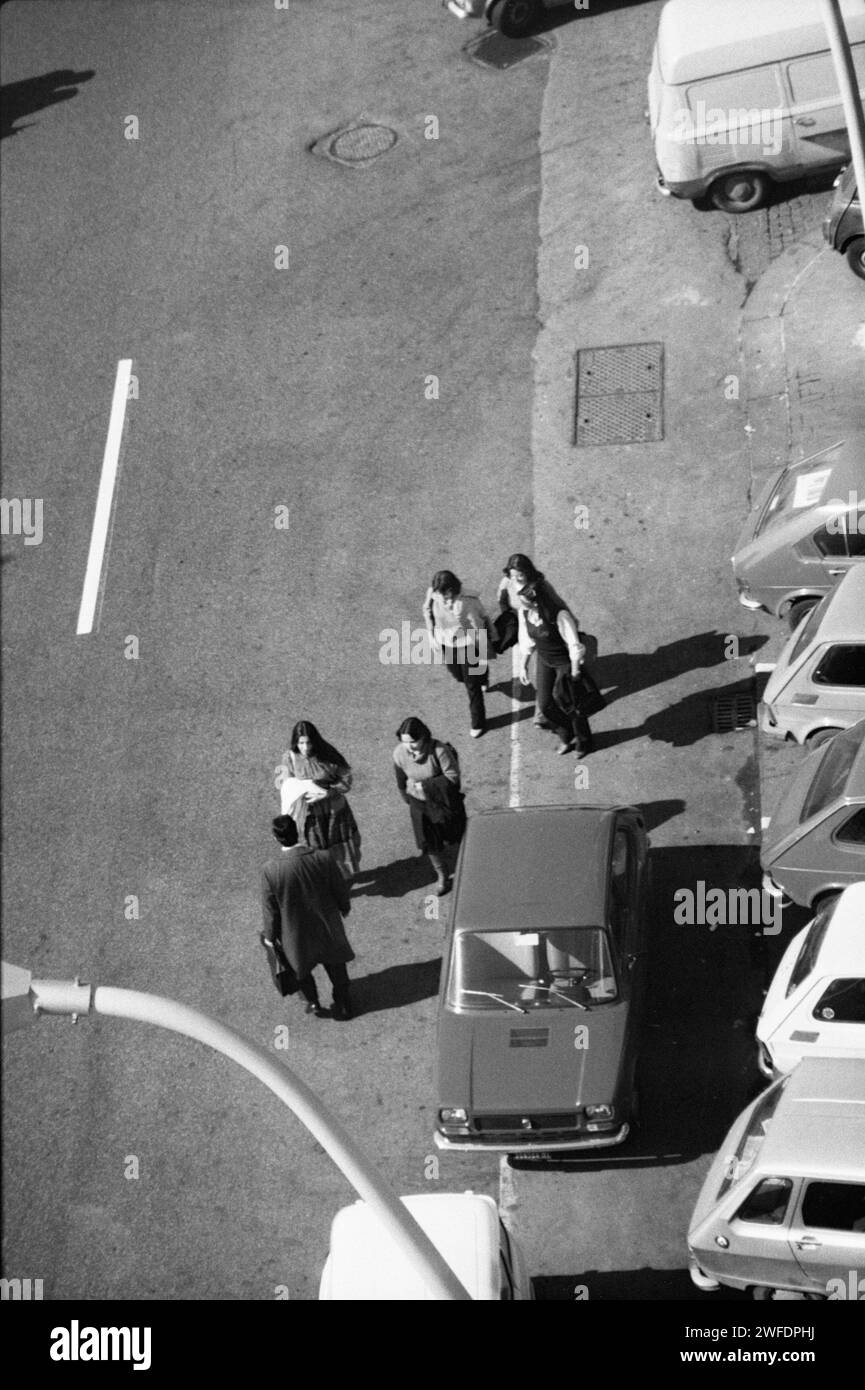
313, 781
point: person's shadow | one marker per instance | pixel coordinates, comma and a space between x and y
20, 99
626, 673
394, 880
395, 987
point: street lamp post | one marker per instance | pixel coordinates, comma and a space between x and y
24, 999
849, 87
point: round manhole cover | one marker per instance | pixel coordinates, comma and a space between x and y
363, 142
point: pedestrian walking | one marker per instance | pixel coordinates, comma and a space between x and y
428, 777
519, 571
304, 898
460, 629
554, 637
313, 792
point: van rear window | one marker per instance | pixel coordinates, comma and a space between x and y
832, 774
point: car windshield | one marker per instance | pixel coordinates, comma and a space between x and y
560, 968
801, 485
832, 774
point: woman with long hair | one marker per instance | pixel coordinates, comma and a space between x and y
313, 781
554, 637
428, 779
519, 571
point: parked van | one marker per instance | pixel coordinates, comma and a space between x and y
806, 531
818, 684
814, 844
543, 981
365, 1264
783, 1204
815, 1006
742, 95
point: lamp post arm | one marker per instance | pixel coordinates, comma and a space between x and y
76, 999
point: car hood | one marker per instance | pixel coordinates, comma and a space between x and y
506, 1063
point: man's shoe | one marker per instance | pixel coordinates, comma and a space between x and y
342, 1011
477, 733
316, 1009
566, 747
584, 749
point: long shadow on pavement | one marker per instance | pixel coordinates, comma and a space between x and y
20, 99
396, 986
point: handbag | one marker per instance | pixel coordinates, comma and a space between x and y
587, 697
506, 627
283, 975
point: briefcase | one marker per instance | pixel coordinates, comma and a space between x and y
283, 975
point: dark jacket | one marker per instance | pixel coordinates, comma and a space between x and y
303, 899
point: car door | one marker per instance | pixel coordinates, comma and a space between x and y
838, 543
827, 1232
758, 1249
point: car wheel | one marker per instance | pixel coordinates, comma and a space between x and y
855, 254
820, 737
799, 609
514, 18
740, 192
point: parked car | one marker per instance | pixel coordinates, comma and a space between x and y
513, 18
783, 1204
365, 1264
806, 531
818, 683
543, 981
814, 844
815, 1005
843, 227
742, 96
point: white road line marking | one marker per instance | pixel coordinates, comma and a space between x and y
514, 777
104, 500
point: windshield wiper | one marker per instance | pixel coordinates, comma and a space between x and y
498, 998
549, 990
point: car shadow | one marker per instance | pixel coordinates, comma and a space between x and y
705, 985
613, 1285
20, 99
395, 987
560, 15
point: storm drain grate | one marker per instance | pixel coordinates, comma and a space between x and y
495, 51
357, 145
734, 712
620, 392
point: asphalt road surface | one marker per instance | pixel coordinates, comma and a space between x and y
379, 353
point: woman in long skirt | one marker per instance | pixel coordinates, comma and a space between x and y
313, 782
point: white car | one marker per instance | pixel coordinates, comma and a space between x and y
365, 1264
815, 1006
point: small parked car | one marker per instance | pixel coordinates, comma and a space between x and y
806, 531
843, 227
783, 1204
513, 18
814, 844
465, 1227
815, 1005
818, 683
543, 981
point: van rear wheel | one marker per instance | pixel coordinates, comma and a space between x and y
855, 254
740, 192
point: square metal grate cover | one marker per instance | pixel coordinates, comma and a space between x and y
493, 50
734, 712
620, 394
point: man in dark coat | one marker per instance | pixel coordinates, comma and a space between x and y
304, 898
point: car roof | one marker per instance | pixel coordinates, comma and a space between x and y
534, 867
705, 38
842, 952
819, 1125
365, 1263
843, 618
